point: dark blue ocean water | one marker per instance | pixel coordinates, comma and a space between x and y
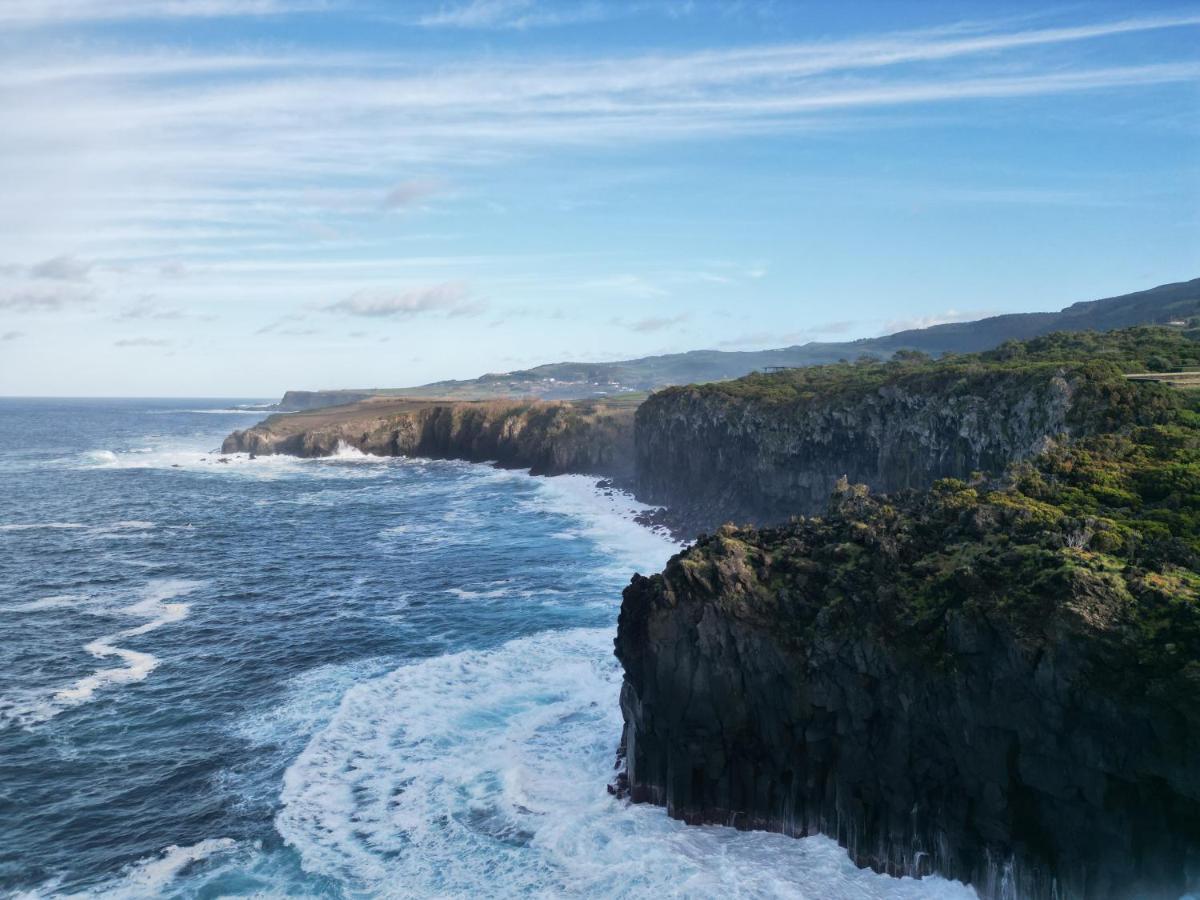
344, 677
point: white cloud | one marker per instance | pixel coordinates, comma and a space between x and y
282, 325
625, 285
173, 268
42, 300
651, 324
410, 193
141, 342
12, 335
513, 14
147, 308
41, 13
118, 149
247, 163
62, 268
450, 298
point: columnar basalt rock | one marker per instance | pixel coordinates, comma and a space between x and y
712, 455
797, 680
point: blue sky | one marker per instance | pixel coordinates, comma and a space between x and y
234, 197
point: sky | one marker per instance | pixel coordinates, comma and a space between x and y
212, 198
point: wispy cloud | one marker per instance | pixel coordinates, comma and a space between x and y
651, 324
167, 157
625, 285
62, 268
513, 14
270, 170
141, 342
66, 12
450, 298
173, 268
148, 308
410, 193
286, 325
43, 300
12, 335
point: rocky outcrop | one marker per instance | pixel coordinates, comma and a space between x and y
719, 453
547, 438
953, 689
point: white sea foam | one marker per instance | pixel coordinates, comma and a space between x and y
137, 665
309, 701
56, 601
493, 594
346, 453
485, 772
126, 529
122, 525
150, 877
231, 411
607, 516
34, 526
193, 459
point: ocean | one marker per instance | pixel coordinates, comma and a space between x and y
345, 677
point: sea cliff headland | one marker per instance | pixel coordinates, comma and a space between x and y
994, 678
547, 437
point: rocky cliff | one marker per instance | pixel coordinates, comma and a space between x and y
548, 438
996, 681
299, 401
765, 448
992, 677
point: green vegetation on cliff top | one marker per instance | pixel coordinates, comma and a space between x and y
1098, 357
1100, 535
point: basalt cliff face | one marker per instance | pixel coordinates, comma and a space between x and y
993, 677
547, 438
719, 453
964, 687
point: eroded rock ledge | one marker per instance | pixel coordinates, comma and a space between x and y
549, 438
961, 687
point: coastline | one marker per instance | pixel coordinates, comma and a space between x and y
556, 729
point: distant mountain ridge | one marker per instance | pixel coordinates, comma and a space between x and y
575, 380
1156, 306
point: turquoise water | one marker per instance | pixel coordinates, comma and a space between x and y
343, 677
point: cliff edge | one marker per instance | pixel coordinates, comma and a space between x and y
766, 447
549, 438
996, 678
